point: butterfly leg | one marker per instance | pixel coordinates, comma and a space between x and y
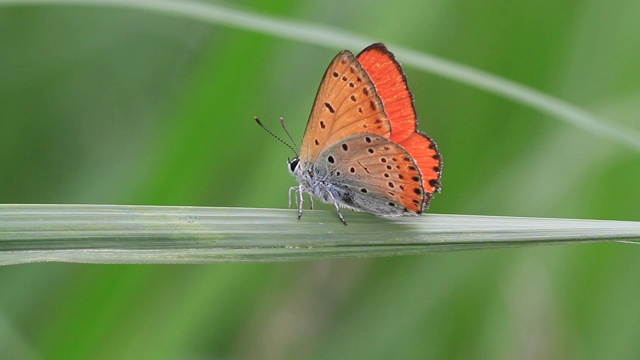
335, 203
311, 201
340, 213
300, 193
290, 190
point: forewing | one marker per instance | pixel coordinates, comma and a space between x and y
391, 85
346, 104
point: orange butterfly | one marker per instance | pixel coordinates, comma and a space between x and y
361, 148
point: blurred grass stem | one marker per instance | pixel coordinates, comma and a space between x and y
332, 37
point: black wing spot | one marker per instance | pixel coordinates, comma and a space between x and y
389, 167
315, 141
400, 176
370, 150
353, 98
337, 173
351, 85
433, 182
412, 168
331, 109
436, 156
432, 146
360, 110
392, 204
331, 159
352, 170
364, 191
335, 74
391, 184
358, 79
344, 78
436, 168
406, 158
415, 178
352, 69
345, 147
365, 91
322, 124
418, 191
383, 160
373, 105
386, 175
367, 139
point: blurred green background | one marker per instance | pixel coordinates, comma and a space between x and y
116, 106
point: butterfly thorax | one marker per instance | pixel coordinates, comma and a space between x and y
316, 181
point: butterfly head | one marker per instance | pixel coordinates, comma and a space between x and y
294, 164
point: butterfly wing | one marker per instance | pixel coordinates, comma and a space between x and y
372, 173
346, 104
391, 85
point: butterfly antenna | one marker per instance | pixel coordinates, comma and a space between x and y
275, 136
284, 126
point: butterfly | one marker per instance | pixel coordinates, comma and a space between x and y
361, 149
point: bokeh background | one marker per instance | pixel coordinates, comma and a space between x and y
118, 106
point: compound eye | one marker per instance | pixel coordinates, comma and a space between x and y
293, 164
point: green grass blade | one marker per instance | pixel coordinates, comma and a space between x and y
159, 234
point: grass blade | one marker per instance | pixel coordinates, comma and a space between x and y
170, 234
